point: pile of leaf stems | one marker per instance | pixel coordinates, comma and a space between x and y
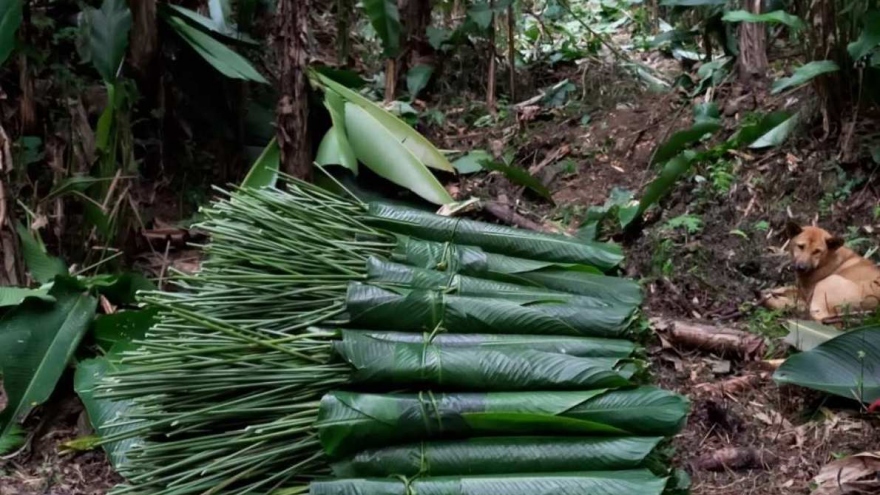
226, 384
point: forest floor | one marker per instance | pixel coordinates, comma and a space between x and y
715, 246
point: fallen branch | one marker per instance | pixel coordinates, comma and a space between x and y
507, 214
734, 458
723, 341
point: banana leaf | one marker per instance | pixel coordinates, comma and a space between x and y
573, 346
848, 366
493, 238
413, 364
503, 455
577, 279
373, 307
352, 421
385, 273
633, 482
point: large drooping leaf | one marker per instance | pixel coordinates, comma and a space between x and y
805, 74
212, 24
494, 238
416, 365
777, 135
631, 482
13, 296
572, 346
409, 137
502, 455
848, 366
868, 39
335, 148
665, 182
378, 149
108, 36
385, 18
10, 19
775, 17
679, 141
36, 341
221, 57
353, 421
104, 412
264, 172
43, 268
375, 308
805, 335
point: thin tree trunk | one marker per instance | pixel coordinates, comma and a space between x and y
390, 79
752, 45
511, 52
343, 23
490, 87
293, 106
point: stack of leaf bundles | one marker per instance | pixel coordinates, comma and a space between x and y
400, 351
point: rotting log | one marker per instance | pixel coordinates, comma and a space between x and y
718, 340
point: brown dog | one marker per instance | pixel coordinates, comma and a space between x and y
831, 279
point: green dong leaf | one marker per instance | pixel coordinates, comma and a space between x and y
43, 268
417, 78
10, 19
221, 57
805, 74
777, 135
385, 18
36, 341
264, 172
679, 141
108, 36
665, 182
846, 366
13, 296
868, 39
776, 17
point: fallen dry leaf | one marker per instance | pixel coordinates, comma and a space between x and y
853, 474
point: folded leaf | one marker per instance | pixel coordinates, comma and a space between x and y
378, 149
777, 135
665, 182
372, 307
640, 482
493, 238
264, 172
406, 135
384, 273
335, 148
352, 421
846, 366
459, 368
572, 346
36, 341
502, 455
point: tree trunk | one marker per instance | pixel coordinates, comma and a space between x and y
752, 45
490, 86
293, 105
343, 25
511, 52
416, 19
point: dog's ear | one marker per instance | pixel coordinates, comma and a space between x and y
793, 229
834, 243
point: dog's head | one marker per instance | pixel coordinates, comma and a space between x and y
810, 246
